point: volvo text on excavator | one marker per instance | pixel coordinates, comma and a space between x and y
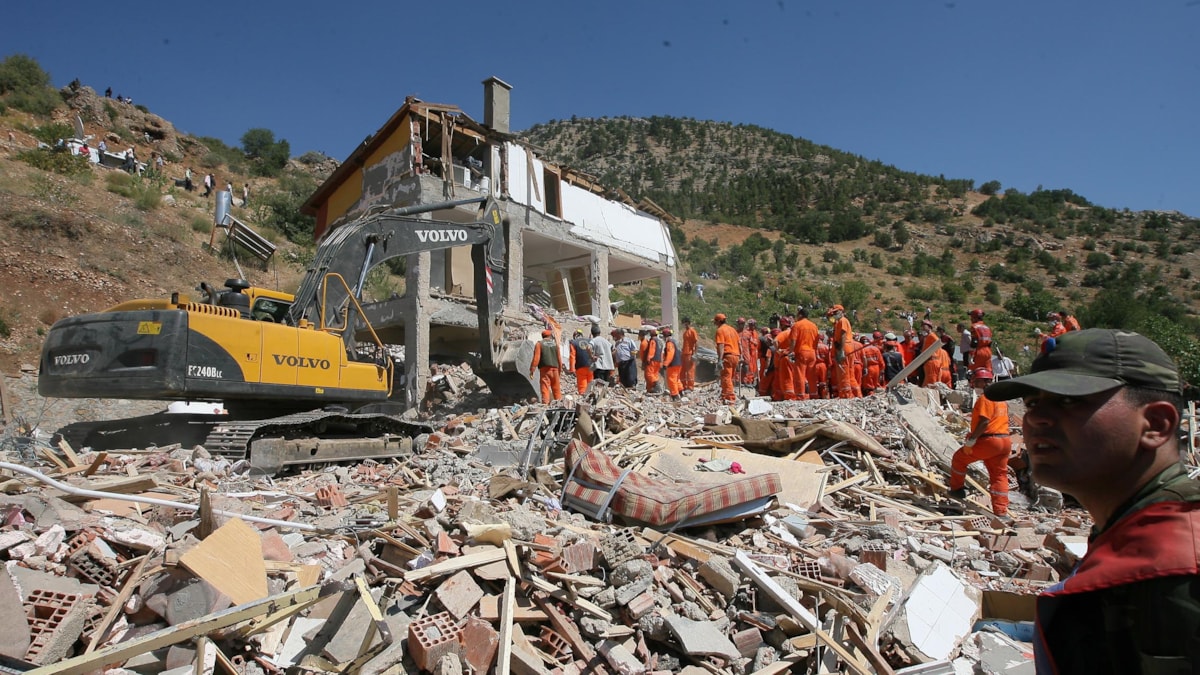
303, 377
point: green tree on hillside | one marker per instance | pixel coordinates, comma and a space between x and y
25, 86
267, 156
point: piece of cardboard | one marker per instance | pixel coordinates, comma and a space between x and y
1009, 606
231, 560
628, 322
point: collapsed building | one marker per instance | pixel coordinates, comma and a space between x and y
568, 239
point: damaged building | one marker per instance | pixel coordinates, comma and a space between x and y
567, 238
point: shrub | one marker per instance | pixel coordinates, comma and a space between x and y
58, 223
201, 224
25, 86
57, 161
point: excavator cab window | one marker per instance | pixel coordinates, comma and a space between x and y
266, 309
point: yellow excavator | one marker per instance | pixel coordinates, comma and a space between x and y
303, 377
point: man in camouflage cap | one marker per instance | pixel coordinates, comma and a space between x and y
1102, 425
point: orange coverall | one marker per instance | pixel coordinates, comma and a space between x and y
673, 361
820, 385
933, 365
989, 425
805, 336
748, 345
843, 378
981, 357
730, 357
583, 373
547, 368
873, 359
785, 371
690, 341
653, 363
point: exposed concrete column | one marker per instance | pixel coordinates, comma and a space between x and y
670, 298
514, 294
416, 327
600, 299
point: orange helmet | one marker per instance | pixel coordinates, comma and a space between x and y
547, 333
983, 374
976, 314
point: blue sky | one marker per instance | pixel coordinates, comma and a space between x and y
1098, 96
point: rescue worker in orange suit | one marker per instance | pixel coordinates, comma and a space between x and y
673, 361
768, 378
872, 364
727, 355
856, 368
805, 337
581, 361
908, 347
764, 351
1056, 326
691, 339
644, 350
820, 384
785, 367
1069, 322
988, 442
981, 342
932, 368
945, 368
545, 362
748, 345
653, 361
842, 345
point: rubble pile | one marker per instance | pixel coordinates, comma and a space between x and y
467, 556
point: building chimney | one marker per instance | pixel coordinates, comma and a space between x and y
495, 104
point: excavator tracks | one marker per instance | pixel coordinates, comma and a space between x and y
271, 443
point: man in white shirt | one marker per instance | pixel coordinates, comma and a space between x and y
602, 351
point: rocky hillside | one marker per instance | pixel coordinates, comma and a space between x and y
82, 242
778, 220
815, 223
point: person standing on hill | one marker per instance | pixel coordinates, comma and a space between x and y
691, 340
728, 356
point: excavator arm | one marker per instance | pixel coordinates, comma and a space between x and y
353, 249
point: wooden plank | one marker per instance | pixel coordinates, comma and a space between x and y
117, 606
512, 433
120, 485
122, 651
455, 564
913, 365
793, 607
68, 452
49, 454
507, 601
231, 560
96, 464
566, 628
562, 596
491, 608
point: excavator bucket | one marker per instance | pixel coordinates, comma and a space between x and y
509, 375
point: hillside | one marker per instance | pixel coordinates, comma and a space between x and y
79, 243
778, 220
812, 223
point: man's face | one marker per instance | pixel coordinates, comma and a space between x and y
1082, 445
